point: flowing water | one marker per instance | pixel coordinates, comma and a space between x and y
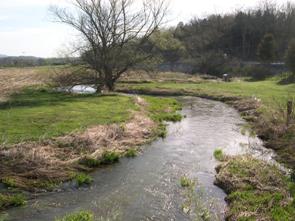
148, 186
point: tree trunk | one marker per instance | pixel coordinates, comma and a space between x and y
110, 84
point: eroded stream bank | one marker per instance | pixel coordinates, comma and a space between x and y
147, 187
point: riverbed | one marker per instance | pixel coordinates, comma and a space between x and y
148, 186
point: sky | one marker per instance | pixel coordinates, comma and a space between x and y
27, 28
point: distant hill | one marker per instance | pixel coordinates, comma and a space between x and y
30, 61
3, 55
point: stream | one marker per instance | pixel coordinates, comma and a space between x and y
148, 187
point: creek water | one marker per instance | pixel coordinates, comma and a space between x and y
148, 186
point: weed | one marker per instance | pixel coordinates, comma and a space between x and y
9, 182
79, 216
161, 130
218, 154
109, 157
132, 152
82, 178
172, 117
186, 182
12, 200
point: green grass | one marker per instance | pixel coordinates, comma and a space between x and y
83, 179
269, 91
40, 114
218, 154
78, 216
9, 200
132, 152
186, 182
109, 157
9, 182
163, 109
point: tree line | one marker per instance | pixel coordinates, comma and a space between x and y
210, 43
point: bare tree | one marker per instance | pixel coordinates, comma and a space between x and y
114, 33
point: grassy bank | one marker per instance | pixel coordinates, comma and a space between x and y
49, 114
256, 190
269, 91
65, 136
262, 103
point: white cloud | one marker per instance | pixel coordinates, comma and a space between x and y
43, 42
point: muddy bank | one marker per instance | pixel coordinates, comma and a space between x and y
271, 130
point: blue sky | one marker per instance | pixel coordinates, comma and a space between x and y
26, 27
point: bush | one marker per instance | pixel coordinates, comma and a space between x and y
109, 157
80, 216
259, 72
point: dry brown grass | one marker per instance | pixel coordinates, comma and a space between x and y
142, 76
14, 79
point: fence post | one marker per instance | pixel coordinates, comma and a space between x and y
289, 112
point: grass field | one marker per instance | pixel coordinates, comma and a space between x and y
269, 91
15, 79
35, 114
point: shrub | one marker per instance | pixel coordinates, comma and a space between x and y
109, 157
79, 216
82, 178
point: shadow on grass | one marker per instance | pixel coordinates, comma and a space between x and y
30, 97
